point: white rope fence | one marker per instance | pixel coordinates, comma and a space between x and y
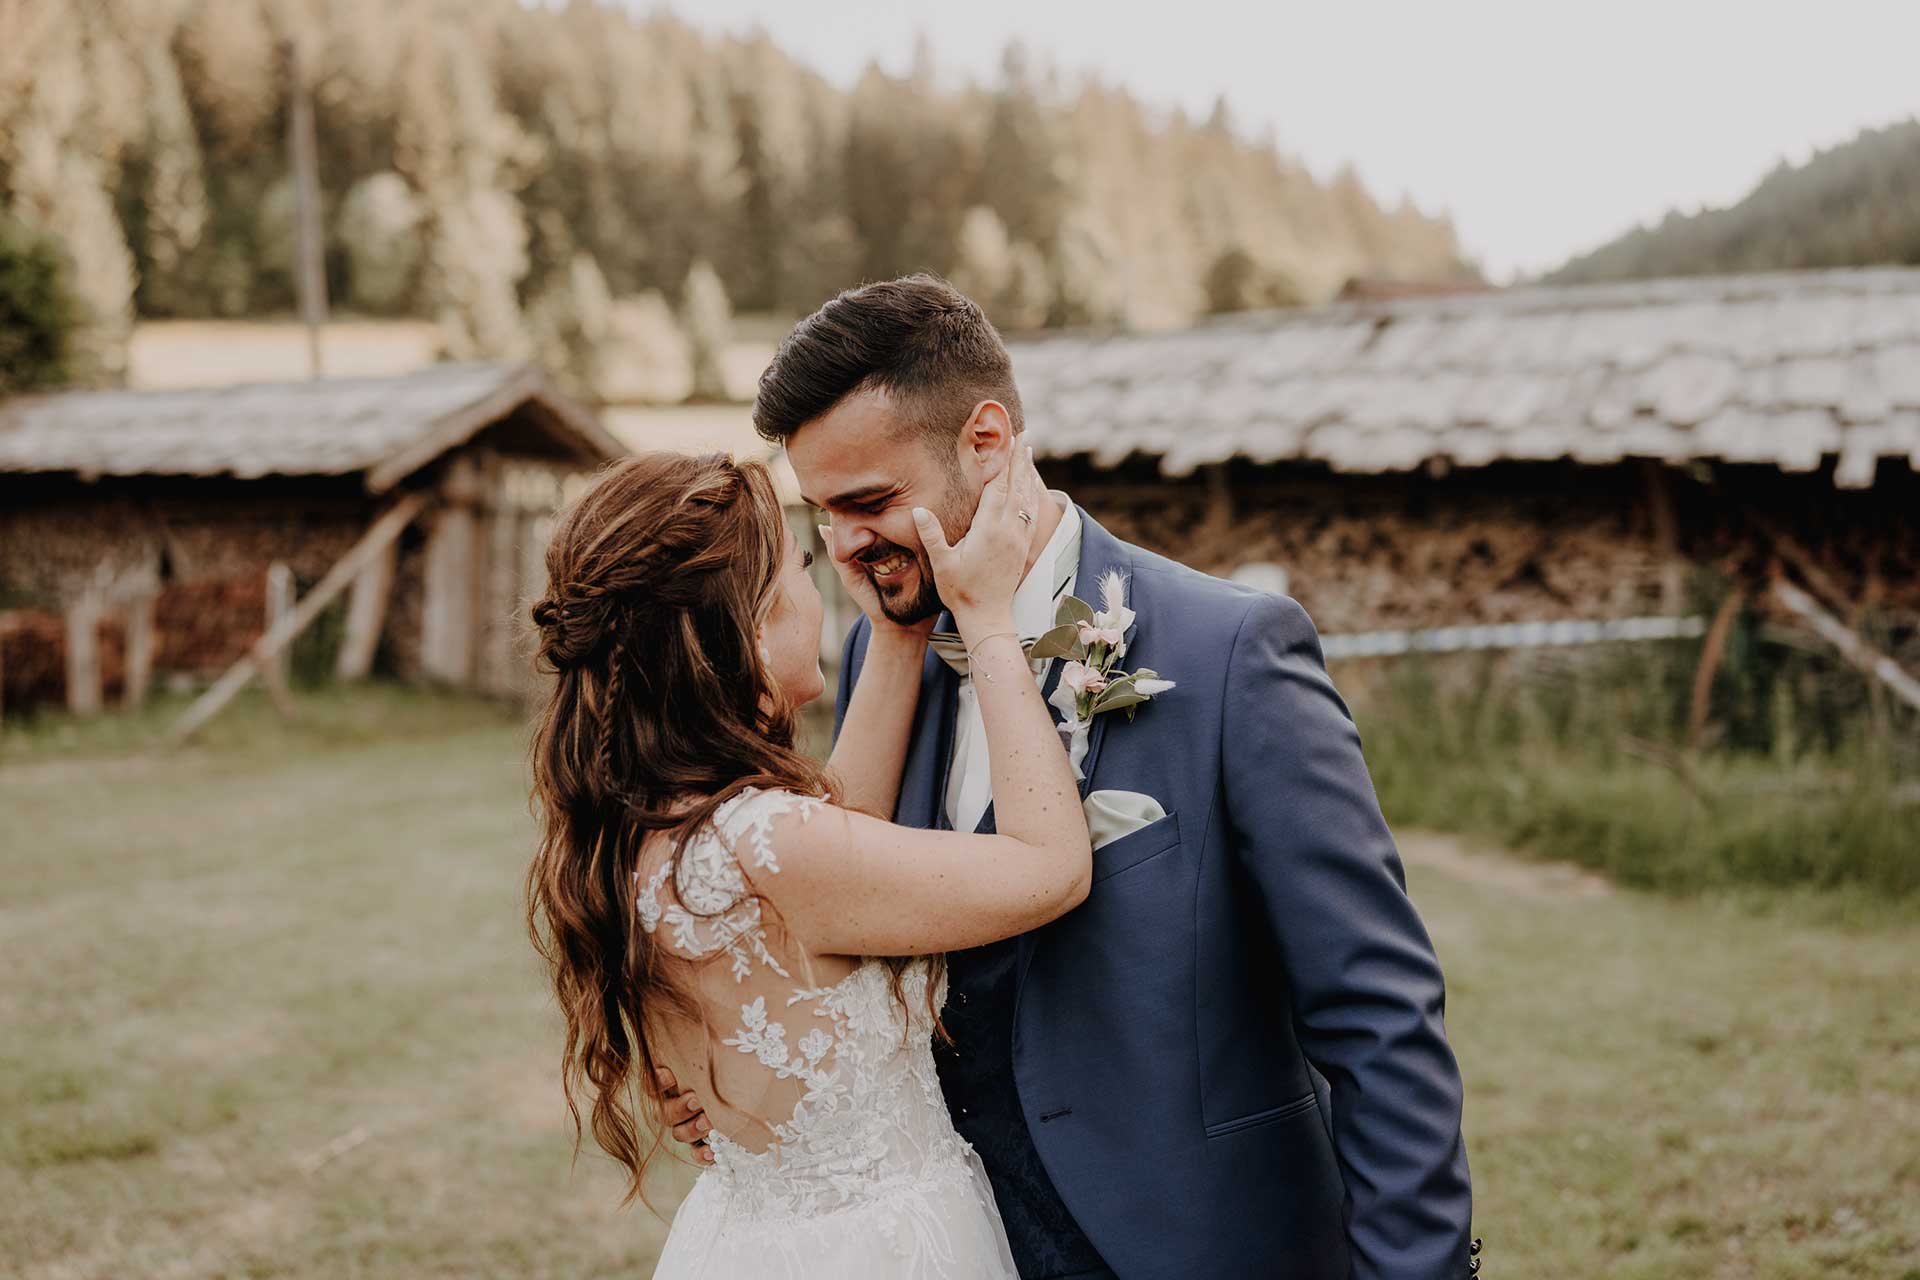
1509, 635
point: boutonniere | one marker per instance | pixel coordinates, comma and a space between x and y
1093, 642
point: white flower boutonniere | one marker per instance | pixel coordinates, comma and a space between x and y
1093, 642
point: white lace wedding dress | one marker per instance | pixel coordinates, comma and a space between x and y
865, 1178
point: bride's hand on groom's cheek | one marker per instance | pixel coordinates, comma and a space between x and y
686, 1116
983, 569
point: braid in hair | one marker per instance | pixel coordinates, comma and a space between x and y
610, 709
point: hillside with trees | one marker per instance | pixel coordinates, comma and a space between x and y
534, 177
1856, 204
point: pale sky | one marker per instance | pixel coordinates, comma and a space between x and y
1545, 128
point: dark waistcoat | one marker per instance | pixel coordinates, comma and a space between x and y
976, 1074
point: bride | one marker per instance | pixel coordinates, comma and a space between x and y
714, 902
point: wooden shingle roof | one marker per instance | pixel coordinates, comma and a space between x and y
1787, 369
383, 427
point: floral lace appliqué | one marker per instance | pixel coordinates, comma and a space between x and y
870, 1128
713, 909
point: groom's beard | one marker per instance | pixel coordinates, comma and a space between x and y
911, 598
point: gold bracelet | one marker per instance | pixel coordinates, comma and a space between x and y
987, 675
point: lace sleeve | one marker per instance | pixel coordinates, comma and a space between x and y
710, 908
747, 820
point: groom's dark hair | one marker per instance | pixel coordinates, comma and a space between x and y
923, 342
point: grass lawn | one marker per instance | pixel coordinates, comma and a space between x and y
1661, 1087
271, 1012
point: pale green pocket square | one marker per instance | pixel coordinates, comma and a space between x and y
1112, 814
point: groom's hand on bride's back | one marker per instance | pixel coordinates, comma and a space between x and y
686, 1115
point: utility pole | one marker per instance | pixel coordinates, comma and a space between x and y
309, 277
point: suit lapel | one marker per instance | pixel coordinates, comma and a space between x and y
1099, 552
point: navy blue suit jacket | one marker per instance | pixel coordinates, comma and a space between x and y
1236, 1041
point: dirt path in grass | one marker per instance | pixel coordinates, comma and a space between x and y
1483, 865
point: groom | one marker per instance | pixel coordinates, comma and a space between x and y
1230, 1060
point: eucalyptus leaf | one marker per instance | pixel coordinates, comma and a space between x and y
1119, 687
1111, 701
1061, 642
1072, 611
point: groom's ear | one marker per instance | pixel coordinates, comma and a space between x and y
986, 442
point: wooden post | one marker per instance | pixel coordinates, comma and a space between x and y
367, 614
279, 607
447, 606
1711, 652
140, 647
1666, 535
495, 665
446, 625
1218, 520
83, 655
377, 537
1851, 646
505, 666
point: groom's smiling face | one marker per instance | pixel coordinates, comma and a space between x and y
858, 463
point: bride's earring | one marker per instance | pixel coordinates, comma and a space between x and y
766, 655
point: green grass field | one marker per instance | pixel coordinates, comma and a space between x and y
270, 1012
1801, 784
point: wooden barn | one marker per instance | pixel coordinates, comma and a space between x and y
166, 534
1546, 461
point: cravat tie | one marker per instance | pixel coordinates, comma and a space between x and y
953, 650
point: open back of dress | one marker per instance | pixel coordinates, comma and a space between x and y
853, 1168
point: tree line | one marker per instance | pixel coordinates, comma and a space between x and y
1855, 204
511, 170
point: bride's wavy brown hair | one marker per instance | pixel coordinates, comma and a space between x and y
658, 578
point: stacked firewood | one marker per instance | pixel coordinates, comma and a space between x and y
49, 554
224, 543
33, 659
1390, 552
1360, 571
204, 627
